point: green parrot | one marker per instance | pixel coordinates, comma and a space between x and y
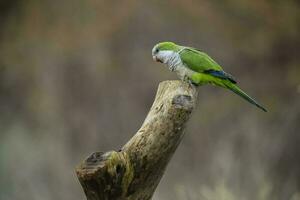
197, 67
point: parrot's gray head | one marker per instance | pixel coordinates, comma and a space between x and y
167, 53
161, 55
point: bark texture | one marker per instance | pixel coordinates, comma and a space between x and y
134, 172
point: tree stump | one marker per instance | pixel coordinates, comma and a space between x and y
134, 172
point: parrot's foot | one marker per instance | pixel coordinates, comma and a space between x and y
185, 79
192, 85
189, 81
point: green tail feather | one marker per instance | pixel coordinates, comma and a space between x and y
201, 78
234, 88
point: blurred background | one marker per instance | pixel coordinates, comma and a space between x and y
77, 76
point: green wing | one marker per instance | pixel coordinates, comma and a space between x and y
198, 61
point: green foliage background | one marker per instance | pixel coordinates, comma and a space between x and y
77, 76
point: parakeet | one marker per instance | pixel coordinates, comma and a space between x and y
196, 67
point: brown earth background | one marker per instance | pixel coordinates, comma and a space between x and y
77, 76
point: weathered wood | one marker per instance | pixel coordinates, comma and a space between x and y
134, 172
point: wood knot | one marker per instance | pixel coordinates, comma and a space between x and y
183, 101
95, 157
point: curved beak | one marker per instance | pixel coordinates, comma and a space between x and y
156, 59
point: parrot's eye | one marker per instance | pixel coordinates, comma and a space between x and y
156, 50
